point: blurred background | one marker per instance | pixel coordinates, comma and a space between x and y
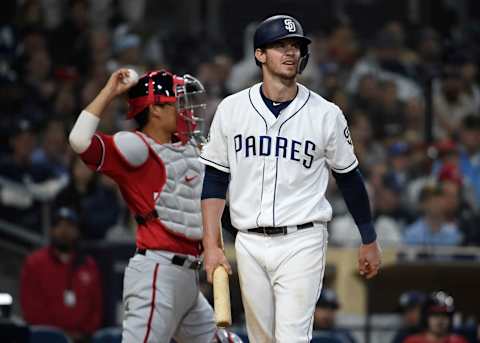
405, 74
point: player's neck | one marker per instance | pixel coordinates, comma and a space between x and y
279, 90
158, 135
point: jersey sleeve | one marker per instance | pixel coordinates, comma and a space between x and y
215, 152
103, 156
340, 154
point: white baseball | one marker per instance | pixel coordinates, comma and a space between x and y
131, 78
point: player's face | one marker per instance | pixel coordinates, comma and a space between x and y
167, 116
282, 58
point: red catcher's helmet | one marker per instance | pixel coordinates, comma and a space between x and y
163, 87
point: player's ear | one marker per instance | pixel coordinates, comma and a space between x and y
260, 55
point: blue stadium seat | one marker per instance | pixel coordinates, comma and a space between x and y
108, 335
47, 334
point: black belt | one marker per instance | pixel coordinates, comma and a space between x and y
277, 230
178, 260
142, 219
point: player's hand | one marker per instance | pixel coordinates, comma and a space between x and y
212, 258
116, 83
369, 259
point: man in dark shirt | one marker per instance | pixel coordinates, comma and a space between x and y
18, 204
324, 317
410, 305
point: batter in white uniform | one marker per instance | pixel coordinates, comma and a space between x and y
274, 145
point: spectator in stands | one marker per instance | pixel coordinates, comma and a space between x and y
388, 214
59, 285
410, 306
450, 102
38, 85
432, 228
368, 150
437, 316
383, 61
23, 182
367, 93
324, 319
388, 202
94, 198
469, 156
71, 38
389, 121
469, 76
53, 149
457, 210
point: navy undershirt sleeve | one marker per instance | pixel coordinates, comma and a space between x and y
353, 189
215, 183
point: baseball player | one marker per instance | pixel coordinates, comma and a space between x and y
273, 146
160, 180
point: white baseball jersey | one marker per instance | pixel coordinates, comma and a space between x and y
279, 167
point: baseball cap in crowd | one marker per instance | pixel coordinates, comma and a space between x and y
64, 213
391, 182
411, 299
398, 149
450, 172
328, 298
20, 126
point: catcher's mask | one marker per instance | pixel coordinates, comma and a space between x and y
163, 87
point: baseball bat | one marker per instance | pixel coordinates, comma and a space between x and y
221, 294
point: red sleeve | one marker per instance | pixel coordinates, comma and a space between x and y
34, 306
102, 155
94, 321
94, 153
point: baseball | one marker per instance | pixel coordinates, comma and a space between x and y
131, 78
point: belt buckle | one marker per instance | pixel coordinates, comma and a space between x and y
195, 264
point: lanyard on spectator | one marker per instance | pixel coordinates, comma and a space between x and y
69, 297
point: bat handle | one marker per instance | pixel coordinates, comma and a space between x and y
221, 297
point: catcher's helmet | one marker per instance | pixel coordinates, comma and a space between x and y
280, 27
224, 336
163, 87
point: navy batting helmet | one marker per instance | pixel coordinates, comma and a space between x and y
411, 299
280, 27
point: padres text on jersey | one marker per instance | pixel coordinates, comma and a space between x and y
279, 167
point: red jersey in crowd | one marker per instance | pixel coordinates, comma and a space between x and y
64, 295
423, 338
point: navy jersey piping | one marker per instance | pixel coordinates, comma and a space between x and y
218, 164
263, 172
276, 164
351, 164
